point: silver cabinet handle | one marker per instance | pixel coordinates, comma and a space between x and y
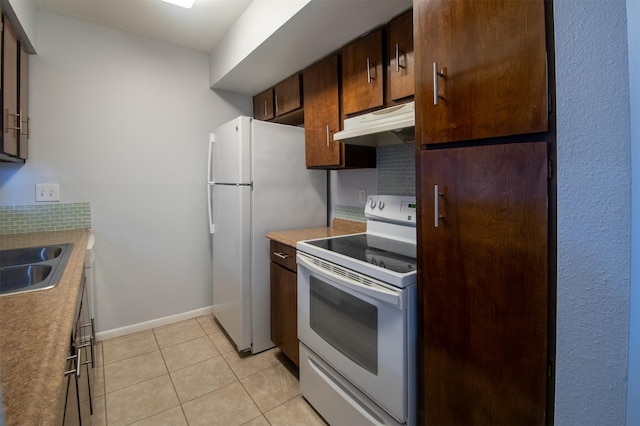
18, 119
265, 107
280, 255
398, 66
27, 126
328, 136
436, 209
436, 73
76, 371
276, 104
369, 76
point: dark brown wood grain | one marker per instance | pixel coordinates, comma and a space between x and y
284, 300
493, 56
321, 114
263, 108
360, 92
287, 95
401, 58
9, 88
23, 143
483, 285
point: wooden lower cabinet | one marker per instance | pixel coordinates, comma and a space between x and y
284, 300
483, 285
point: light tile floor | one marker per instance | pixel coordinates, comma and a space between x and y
188, 373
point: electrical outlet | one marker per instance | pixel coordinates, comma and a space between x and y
362, 196
47, 192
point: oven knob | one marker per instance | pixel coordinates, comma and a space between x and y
373, 204
381, 205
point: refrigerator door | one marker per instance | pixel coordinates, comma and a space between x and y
230, 152
286, 195
232, 260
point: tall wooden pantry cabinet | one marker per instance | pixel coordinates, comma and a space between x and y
482, 144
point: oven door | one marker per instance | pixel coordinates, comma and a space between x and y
360, 327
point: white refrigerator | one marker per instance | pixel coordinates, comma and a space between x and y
257, 183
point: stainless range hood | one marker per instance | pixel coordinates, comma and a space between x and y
387, 126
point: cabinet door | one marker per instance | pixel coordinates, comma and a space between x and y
23, 137
401, 80
287, 95
284, 311
362, 79
11, 119
483, 284
492, 57
263, 105
321, 114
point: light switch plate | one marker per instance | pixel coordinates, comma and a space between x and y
47, 192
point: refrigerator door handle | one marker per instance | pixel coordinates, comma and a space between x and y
212, 139
212, 226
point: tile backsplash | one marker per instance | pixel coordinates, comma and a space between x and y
396, 176
45, 217
397, 169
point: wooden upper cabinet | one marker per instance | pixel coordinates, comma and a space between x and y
400, 51
362, 74
23, 100
322, 120
281, 103
322, 114
288, 95
483, 284
487, 61
10, 116
263, 105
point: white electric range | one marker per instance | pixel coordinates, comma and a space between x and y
357, 318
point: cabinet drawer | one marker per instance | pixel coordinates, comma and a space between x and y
283, 254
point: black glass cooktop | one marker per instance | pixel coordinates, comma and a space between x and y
389, 254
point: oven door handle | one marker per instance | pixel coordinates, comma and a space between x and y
375, 291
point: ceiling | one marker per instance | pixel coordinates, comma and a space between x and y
200, 28
317, 28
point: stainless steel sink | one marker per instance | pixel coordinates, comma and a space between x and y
32, 268
23, 256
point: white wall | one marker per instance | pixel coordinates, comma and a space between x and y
593, 192
633, 394
345, 184
123, 122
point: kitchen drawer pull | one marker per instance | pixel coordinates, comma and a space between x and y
276, 97
436, 73
265, 108
281, 255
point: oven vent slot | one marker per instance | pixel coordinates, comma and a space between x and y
345, 273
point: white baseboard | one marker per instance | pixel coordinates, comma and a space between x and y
148, 325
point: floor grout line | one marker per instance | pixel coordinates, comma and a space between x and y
278, 360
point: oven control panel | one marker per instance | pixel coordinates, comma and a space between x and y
392, 208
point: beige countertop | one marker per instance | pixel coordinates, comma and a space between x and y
34, 334
339, 227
